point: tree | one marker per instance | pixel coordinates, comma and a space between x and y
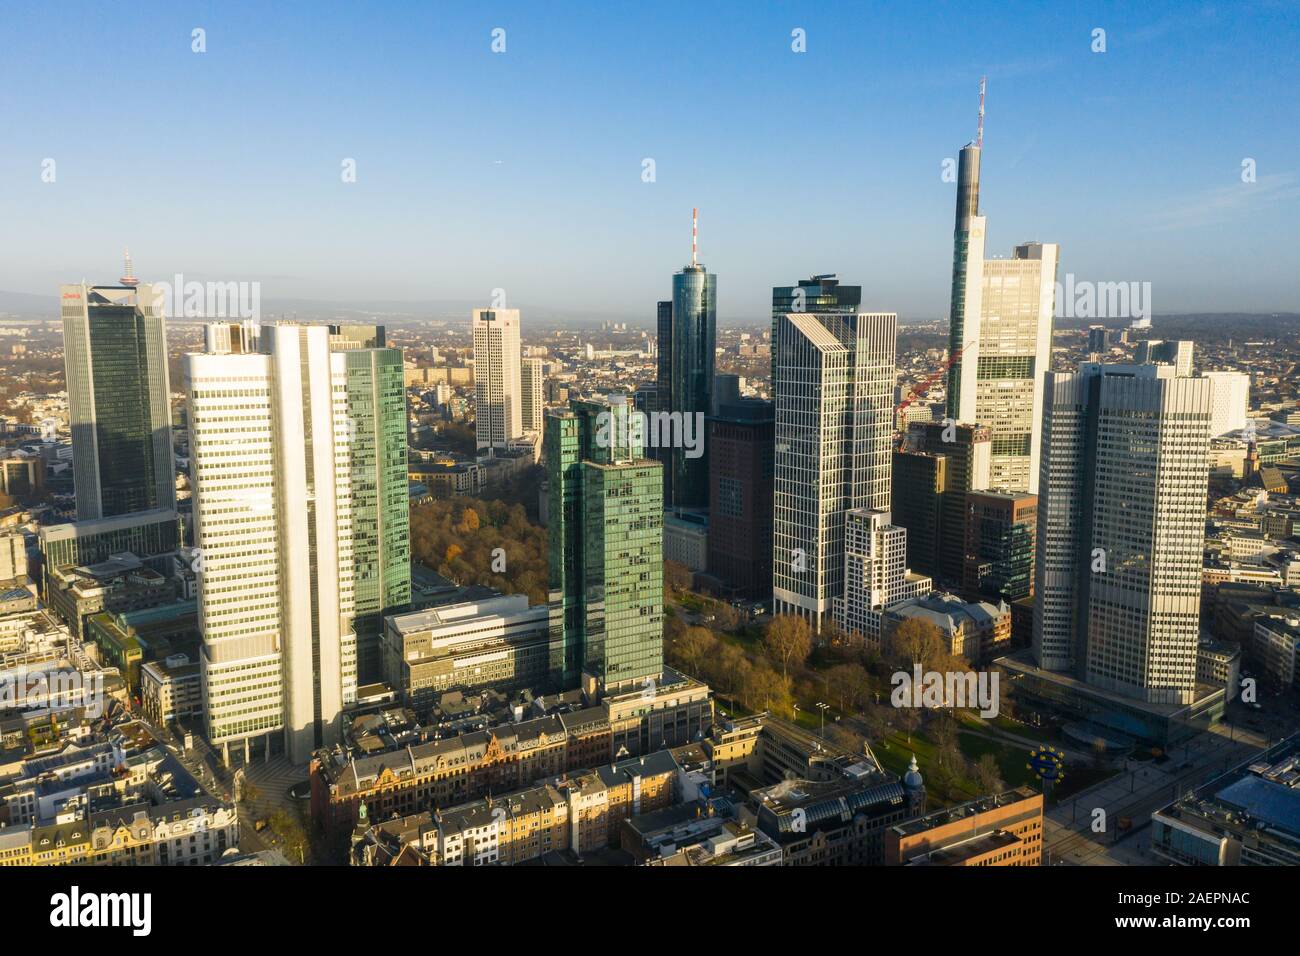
677, 576
765, 689
788, 641
693, 648
909, 719
917, 641
850, 685
988, 775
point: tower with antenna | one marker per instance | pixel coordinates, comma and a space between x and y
128, 279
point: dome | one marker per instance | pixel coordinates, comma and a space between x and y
912, 779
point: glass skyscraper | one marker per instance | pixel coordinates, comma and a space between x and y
694, 338
606, 549
115, 356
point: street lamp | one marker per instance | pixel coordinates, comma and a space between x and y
823, 708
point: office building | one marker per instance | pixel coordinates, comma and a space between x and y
833, 384
1004, 829
1176, 353
920, 480
532, 404
741, 451
1229, 401
967, 459
499, 643
115, 357
1097, 339
605, 531
1000, 336
1121, 527
686, 364
876, 575
299, 476
1000, 531
497, 409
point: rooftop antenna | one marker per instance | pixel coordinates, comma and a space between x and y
979, 134
129, 279
695, 216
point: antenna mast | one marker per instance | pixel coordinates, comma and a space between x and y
695, 216
979, 134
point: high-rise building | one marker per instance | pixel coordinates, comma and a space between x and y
1000, 531
531, 379
1097, 339
300, 506
833, 380
663, 394
1000, 336
115, 357
920, 480
498, 417
876, 575
1177, 353
1121, 527
741, 451
605, 535
693, 321
1229, 401
967, 450
379, 494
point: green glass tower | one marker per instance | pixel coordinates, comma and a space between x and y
606, 548
115, 357
381, 546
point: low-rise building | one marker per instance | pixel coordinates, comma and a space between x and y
1003, 829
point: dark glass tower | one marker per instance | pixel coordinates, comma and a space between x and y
968, 207
115, 357
694, 338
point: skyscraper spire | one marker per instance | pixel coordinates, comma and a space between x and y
695, 247
979, 133
129, 278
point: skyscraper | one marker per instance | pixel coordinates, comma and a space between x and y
298, 470
115, 357
1000, 334
380, 498
605, 535
966, 450
741, 443
686, 362
833, 380
1177, 353
1121, 528
1000, 532
498, 417
530, 390
1230, 403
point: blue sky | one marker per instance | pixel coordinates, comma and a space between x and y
522, 170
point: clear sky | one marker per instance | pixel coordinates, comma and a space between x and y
523, 170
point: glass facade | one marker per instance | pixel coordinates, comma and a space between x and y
381, 547
116, 362
605, 538
694, 338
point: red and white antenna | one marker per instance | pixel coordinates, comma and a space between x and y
695, 234
979, 134
129, 279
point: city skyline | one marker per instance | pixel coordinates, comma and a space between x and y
1143, 213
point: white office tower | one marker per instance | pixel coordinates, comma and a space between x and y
1121, 527
1229, 401
1000, 336
225, 338
530, 389
1177, 353
875, 572
834, 377
496, 377
270, 467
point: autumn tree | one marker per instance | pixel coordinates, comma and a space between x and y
917, 641
788, 641
988, 776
